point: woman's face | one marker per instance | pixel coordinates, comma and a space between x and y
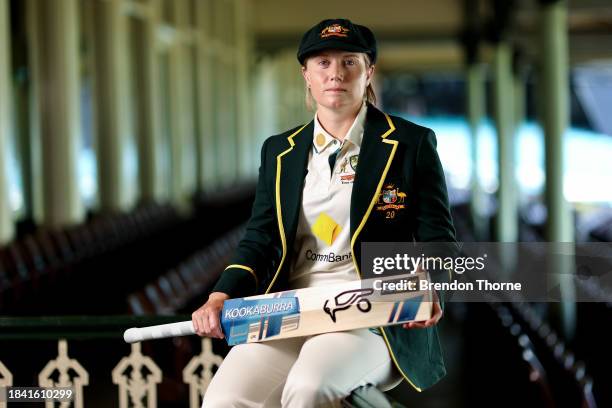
337, 79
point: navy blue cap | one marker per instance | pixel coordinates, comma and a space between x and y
339, 34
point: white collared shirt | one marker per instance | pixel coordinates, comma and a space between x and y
322, 243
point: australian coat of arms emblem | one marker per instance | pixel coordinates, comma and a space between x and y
391, 198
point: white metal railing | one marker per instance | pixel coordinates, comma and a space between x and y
136, 376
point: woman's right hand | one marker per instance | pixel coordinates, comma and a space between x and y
206, 319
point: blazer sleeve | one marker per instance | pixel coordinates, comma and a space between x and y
433, 217
256, 252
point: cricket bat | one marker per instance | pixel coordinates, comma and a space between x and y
304, 312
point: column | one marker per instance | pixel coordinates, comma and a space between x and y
148, 107
112, 121
246, 134
476, 111
265, 97
207, 159
507, 214
7, 228
182, 157
57, 46
225, 140
34, 112
476, 99
555, 115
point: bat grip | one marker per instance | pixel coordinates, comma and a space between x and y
136, 334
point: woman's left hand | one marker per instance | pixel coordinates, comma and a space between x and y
436, 315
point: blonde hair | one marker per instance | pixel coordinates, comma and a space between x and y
369, 95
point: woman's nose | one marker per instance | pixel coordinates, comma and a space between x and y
336, 72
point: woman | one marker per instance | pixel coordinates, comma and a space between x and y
315, 203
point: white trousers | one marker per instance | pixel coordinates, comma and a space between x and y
315, 371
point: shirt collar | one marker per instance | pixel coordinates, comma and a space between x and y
322, 140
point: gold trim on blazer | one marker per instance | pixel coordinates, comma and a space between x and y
246, 268
279, 217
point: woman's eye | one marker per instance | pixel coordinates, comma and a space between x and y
323, 62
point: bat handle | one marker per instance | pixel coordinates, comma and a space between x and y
136, 334
131, 335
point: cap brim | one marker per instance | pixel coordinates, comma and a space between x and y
330, 45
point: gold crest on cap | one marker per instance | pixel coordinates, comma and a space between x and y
335, 30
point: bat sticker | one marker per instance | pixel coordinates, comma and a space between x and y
346, 299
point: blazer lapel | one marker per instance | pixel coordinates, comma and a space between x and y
291, 170
375, 157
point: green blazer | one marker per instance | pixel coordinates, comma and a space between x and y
393, 150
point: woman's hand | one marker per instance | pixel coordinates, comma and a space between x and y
436, 315
206, 318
